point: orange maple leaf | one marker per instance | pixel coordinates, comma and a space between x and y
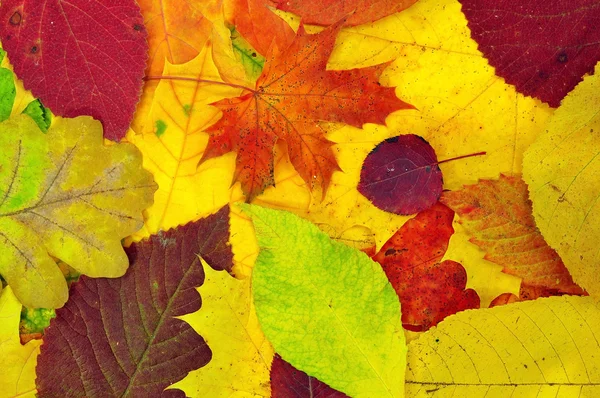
294, 93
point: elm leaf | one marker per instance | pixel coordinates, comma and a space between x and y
64, 195
122, 337
327, 308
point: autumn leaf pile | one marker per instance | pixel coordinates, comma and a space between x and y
284, 198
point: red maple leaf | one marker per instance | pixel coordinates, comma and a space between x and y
429, 290
294, 93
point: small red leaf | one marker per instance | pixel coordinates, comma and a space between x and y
542, 47
81, 57
121, 337
401, 175
289, 382
429, 290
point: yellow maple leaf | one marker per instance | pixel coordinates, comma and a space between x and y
241, 355
17, 378
561, 169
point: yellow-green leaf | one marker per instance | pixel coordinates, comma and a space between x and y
327, 308
562, 169
542, 348
241, 355
17, 362
65, 195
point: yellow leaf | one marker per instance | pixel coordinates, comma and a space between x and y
64, 195
241, 355
173, 142
562, 169
17, 377
542, 348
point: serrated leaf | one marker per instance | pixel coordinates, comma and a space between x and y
321, 303
122, 337
97, 74
65, 195
16, 361
543, 348
561, 169
40, 114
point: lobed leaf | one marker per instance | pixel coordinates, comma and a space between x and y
64, 195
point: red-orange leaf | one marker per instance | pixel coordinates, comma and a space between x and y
293, 94
499, 216
429, 290
326, 12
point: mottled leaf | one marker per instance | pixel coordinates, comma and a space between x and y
64, 195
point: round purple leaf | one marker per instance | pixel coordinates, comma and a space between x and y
401, 175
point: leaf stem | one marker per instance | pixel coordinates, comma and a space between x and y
193, 79
462, 157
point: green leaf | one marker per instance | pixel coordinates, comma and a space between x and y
327, 308
252, 61
40, 114
7, 90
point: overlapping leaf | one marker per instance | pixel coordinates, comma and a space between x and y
121, 336
65, 195
320, 303
69, 69
293, 94
498, 215
561, 169
543, 48
546, 347
429, 289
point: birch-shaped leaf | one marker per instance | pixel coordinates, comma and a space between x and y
543, 348
65, 195
326, 307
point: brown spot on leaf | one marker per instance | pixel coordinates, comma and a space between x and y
16, 19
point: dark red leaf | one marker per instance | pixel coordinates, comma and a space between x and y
429, 290
120, 337
542, 47
289, 382
401, 175
81, 57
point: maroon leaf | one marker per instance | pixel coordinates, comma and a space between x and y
429, 290
120, 337
542, 47
81, 57
289, 382
401, 175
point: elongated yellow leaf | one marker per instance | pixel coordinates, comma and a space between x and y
562, 169
543, 348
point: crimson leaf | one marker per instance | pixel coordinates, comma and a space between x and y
120, 337
81, 57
